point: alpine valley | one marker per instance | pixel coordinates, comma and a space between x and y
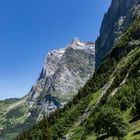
85, 91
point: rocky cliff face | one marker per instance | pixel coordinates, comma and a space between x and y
114, 23
64, 72
115, 86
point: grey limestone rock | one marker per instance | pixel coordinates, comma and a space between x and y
65, 71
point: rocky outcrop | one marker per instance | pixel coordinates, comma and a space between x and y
114, 23
64, 72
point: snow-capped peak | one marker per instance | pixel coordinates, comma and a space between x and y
76, 42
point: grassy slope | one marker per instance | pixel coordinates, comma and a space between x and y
123, 78
12, 112
109, 85
8, 106
3, 108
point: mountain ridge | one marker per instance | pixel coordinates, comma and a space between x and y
59, 60
62, 75
113, 89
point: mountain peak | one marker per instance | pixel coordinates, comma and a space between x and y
76, 42
60, 74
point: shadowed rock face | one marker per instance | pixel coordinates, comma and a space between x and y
64, 72
114, 23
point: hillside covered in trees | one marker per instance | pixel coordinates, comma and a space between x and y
108, 106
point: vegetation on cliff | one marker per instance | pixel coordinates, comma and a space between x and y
108, 105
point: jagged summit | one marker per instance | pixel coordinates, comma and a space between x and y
54, 56
76, 42
65, 70
53, 59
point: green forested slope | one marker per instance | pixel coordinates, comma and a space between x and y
113, 89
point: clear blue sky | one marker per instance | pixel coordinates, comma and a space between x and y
30, 28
